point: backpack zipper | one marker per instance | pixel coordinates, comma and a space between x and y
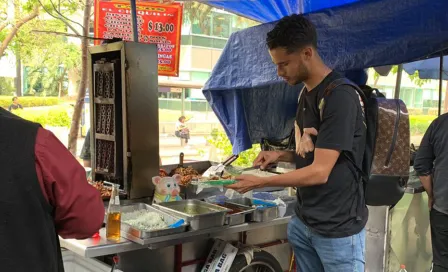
394, 136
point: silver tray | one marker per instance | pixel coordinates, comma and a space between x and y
260, 214
199, 214
169, 219
238, 218
190, 191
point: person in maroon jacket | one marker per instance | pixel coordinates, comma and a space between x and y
44, 193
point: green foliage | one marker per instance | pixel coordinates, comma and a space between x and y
219, 140
54, 117
29, 101
415, 78
48, 57
420, 123
418, 126
7, 86
46, 68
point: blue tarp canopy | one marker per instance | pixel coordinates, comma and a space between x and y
428, 69
253, 103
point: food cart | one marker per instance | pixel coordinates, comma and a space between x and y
135, 149
123, 91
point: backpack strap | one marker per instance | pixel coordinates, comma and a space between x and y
337, 83
300, 94
357, 171
333, 85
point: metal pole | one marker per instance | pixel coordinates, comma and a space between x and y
398, 83
183, 101
134, 20
440, 83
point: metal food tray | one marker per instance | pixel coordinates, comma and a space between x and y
189, 192
130, 231
263, 214
199, 214
238, 218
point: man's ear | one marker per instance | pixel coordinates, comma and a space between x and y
308, 52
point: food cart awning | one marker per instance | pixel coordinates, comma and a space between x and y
252, 102
428, 69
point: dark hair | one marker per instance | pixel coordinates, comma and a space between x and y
14, 98
292, 33
182, 117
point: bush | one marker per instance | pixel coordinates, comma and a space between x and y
29, 101
219, 140
7, 86
418, 126
414, 111
420, 123
54, 117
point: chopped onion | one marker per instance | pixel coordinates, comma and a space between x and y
144, 220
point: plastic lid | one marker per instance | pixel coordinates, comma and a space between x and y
402, 266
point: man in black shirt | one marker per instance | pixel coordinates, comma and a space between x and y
431, 164
86, 155
327, 233
15, 104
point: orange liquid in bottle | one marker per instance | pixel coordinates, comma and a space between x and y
113, 226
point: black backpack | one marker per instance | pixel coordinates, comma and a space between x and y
385, 168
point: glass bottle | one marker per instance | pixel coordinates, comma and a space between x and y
113, 225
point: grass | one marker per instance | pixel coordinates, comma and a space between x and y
420, 123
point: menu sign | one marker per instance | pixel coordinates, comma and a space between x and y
157, 23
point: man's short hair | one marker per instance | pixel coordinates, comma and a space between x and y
292, 33
14, 98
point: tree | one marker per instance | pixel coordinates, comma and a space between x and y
414, 77
37, 50
76, 118
22, 15
198, 13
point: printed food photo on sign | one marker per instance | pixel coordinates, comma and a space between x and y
157, 23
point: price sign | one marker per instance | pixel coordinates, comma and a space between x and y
157, 23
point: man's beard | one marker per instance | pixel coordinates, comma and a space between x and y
299, 79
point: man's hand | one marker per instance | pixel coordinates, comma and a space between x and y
264, 158
306, 143
247, 183
430, 202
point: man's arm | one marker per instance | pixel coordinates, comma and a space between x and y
79, 210
336, 134
427, 184
424, 160
315, 174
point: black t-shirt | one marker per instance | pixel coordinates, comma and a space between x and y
15, 107
331, 209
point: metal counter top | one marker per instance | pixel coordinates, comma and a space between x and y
94, 247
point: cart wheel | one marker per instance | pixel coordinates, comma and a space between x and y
262, 262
